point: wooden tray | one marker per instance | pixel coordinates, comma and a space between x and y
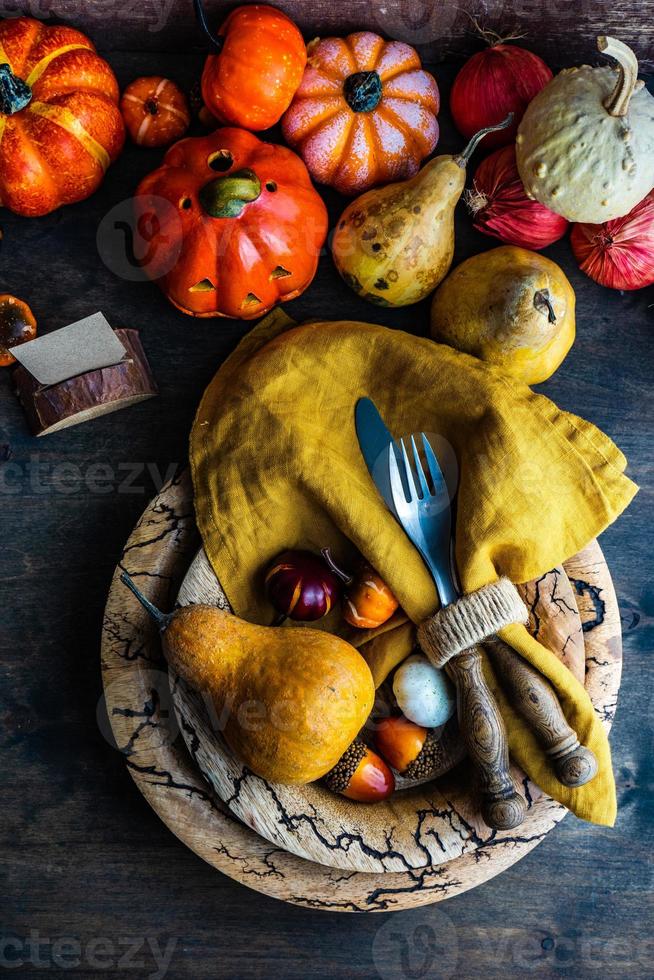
420, 826
135, 679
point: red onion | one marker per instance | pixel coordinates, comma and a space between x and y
500, 79
502, 209
301, 586
619, 253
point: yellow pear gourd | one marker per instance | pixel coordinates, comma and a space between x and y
289, 701
394, 244
511, 307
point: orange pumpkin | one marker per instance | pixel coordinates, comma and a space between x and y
60, 126
155, 111
258, 64
237, 225
364, 114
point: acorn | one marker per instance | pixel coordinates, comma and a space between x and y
415, 752
361, 775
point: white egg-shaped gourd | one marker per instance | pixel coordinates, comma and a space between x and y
585, 146
423, 693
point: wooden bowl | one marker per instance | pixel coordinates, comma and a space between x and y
139, 709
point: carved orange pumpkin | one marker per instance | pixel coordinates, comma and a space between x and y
60, 126
364, 114
236, 225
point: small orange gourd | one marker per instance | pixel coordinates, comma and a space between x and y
155, 111
368, 602
17, 325
255, 68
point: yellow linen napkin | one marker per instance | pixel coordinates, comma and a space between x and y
276, 464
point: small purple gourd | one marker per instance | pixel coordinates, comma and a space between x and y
301, 586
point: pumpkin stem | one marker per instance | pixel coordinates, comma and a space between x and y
344, 577
363, 91
215, 40
161, 619
617, 103
463, 159
225, 197
15, 94
543, 304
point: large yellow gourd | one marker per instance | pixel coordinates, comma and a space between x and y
394, 244
289, 701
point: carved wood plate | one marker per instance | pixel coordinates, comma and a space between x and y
139, 709
422, 825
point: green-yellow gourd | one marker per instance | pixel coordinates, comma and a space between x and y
585, 146
394, 244
511, 307
289, 701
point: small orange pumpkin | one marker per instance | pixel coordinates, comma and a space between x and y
259, 56
155, 111
60, 125
364, 114
17, 325
238, 225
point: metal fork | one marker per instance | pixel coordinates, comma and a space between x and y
425, 516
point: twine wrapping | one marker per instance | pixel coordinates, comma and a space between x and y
470, 620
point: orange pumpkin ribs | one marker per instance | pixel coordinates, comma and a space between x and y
60, 126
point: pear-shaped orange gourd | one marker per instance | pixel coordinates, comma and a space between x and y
289, 701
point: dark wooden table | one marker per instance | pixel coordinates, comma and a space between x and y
84, 859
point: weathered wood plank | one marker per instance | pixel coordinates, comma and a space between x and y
562, 31
82, 854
